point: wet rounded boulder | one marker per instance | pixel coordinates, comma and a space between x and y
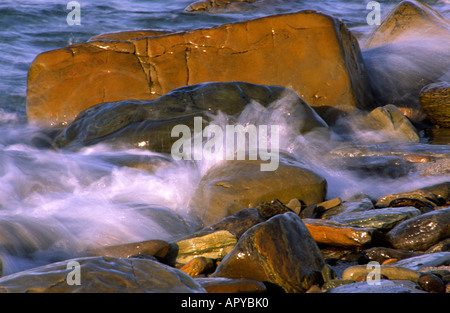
100, 274
149, 124
231, 186
421, 232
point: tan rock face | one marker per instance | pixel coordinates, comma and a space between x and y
235, 185
407, 20
311, 53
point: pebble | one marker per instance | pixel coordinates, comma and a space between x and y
390, 272
431, 283
230, 285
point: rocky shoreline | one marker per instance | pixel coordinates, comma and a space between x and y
260, 232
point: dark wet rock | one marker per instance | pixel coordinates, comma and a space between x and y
435, 101
219, 6
327, 232
336, 283
231, 186
431, 283
268, 210
238, 223
381, 219
101, 275
381, 254
408, 51
157, 248
383, 166
279, 251
230, 285
421, 232
384, 286
420, 199
393, 125
441, 191
423, 206
443, 245
432, 259
390, 272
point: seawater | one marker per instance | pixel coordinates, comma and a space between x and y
56, 204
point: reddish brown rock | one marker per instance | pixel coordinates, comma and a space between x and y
229, 285
311, 53
338, 234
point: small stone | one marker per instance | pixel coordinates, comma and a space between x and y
238, 223
295, 205
432, 259
157, 248
215, 245
389, 261
417, 158
101, 275
268, 210
431, 283
230, 285
280, 251
382, 254
391, 121
382, 286
197, 266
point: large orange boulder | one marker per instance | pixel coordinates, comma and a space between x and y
313, 54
